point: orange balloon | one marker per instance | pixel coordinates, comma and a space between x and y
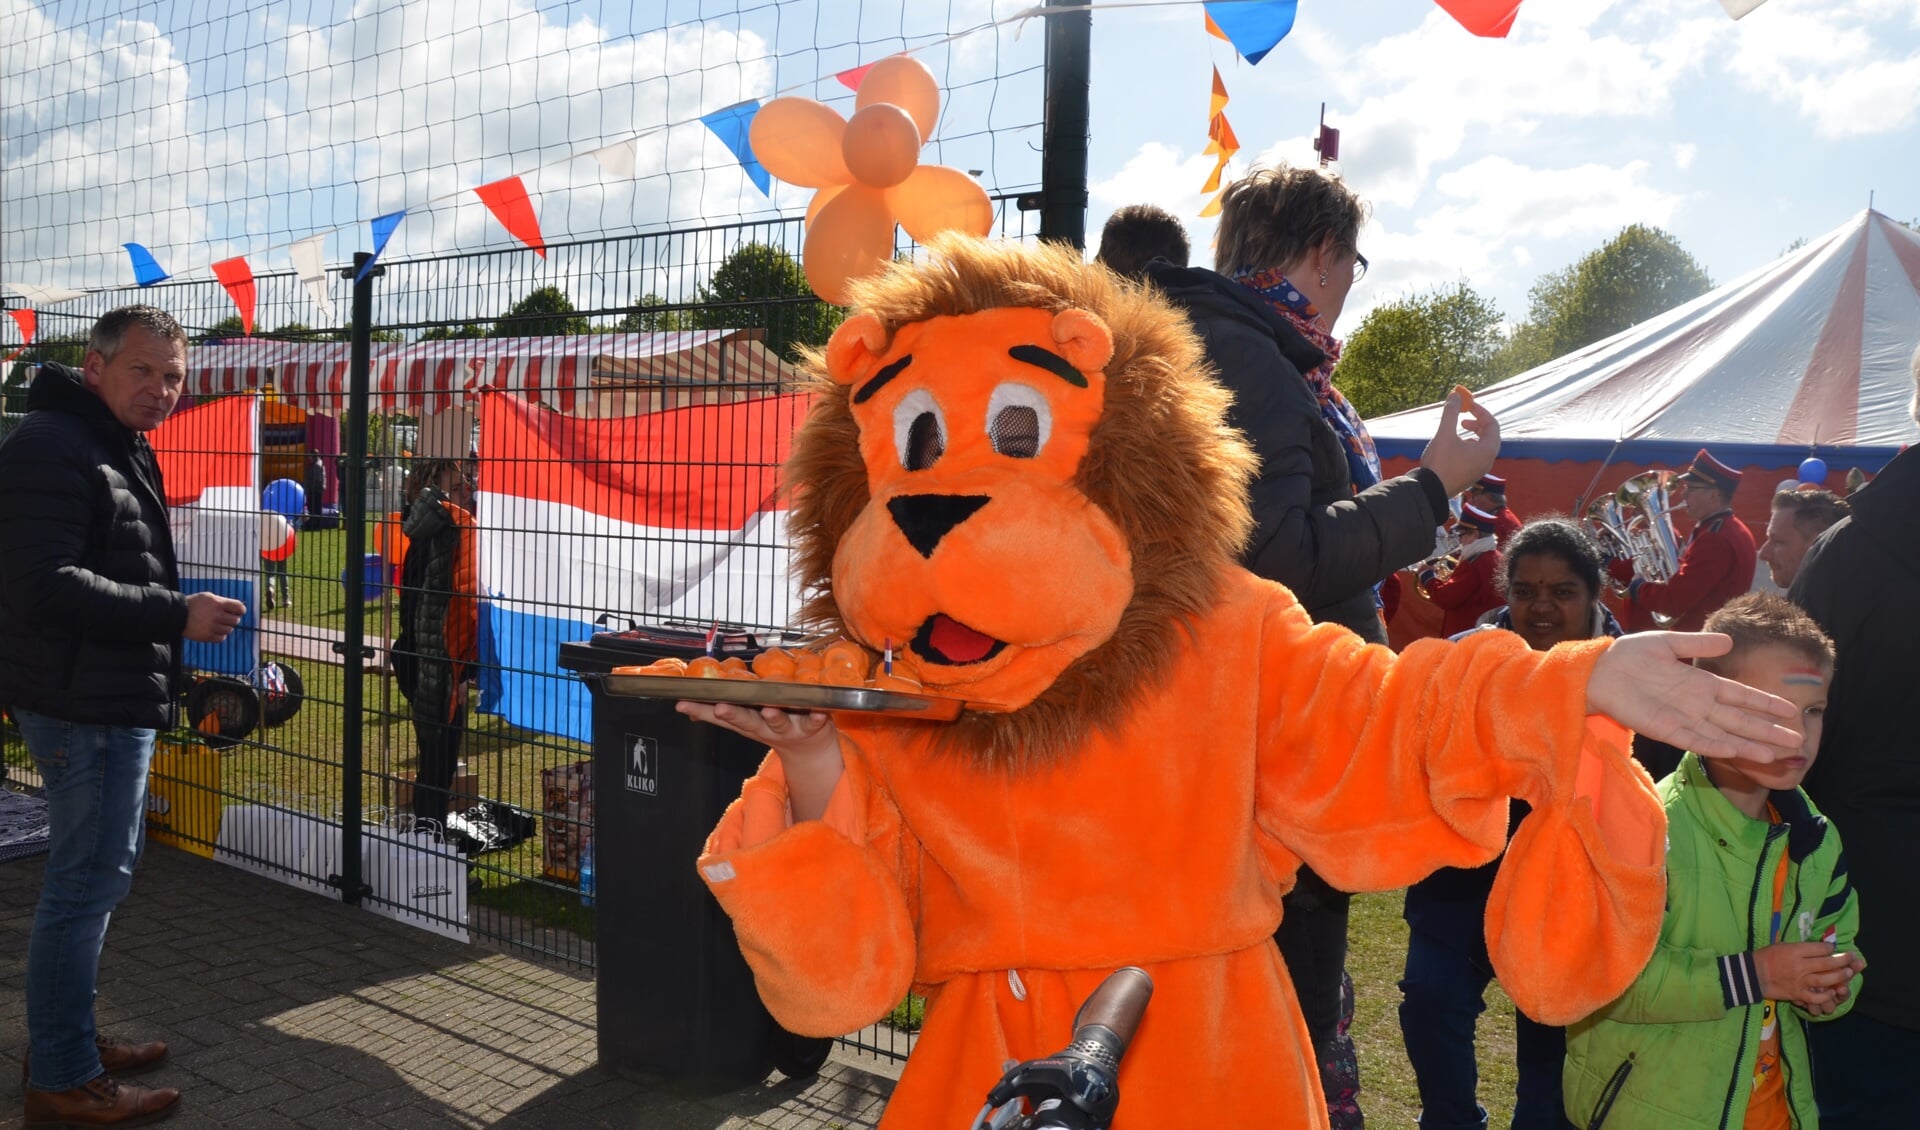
798, 140
851, 237
936, 199
905, 82
881, 145
820, 199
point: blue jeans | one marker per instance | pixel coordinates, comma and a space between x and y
96, 779
1860, 1066
1442, 997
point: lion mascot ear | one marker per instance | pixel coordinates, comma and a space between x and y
1084, 339
855, 348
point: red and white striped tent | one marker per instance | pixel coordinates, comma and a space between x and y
420, 378
1810, 354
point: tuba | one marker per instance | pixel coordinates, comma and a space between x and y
1635, 523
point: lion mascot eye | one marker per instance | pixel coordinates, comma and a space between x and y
1018, 421
919, 430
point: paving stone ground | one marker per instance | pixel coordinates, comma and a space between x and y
286, 1009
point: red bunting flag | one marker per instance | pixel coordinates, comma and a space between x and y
237, 277
1218, 101
1489, 19
507, 199
851, 78
26, 320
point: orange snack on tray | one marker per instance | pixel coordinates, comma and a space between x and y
844, 664
806, 667
734, 667
898, 683
706, 667
668, 666
774, 663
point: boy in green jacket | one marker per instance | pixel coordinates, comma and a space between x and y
1759, 928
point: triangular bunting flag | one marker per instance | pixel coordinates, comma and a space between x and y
618, 159
383, 228
1489, 19
507, 199
1212, 207
1219, 166
1738, 8
1221, 131
1254, 27
1219, 97
26, 319
1213, 29
851, 78
731, 125
237, 277
310, 266
146, 272
42, 295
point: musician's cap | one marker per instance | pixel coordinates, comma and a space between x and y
1708, 471
1479, 519
1493, 483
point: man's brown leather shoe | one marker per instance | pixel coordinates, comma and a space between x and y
128, 1059
102, 1102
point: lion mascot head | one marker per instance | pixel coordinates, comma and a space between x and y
1016, 471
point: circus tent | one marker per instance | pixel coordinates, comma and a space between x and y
1810, 354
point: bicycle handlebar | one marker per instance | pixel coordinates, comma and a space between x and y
1077, 1088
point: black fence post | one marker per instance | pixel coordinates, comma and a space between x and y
353, 511
1063, 158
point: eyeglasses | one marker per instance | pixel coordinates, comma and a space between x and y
1359, 266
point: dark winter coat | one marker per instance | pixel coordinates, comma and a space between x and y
1312, 532
438, 615
1859, 581
90, 613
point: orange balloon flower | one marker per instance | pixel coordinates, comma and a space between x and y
869, 174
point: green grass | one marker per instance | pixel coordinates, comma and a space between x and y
908, 1015
1376, 956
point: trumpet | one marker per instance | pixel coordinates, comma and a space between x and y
1635, 523
1445, 558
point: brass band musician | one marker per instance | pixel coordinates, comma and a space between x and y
1716, 564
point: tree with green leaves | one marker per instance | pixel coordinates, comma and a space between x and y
1411, 352
1638, 274
454, 333
651, 315
547, 312
763, 286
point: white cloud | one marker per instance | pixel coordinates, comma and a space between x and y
1830, 64
1683, 154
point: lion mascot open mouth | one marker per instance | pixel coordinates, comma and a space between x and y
1016, 471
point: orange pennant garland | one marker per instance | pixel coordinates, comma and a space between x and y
237, 277
26, 319
1219, 95
1221, 142
1213, 29
507, 200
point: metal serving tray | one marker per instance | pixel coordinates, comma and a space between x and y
787, 696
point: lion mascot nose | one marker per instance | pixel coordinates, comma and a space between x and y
926, 518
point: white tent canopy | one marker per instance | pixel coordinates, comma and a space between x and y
424, 377
1813, 350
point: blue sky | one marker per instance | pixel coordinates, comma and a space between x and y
1488, 160
1499, 160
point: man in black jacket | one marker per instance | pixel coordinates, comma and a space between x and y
91, 619
1287, 253
1858, 582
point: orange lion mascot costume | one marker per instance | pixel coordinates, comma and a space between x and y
1018, 469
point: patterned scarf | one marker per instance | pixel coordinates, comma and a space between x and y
1363, 462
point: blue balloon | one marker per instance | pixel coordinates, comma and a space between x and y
1813, 469
285, 498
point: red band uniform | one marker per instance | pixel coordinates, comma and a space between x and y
1716, 564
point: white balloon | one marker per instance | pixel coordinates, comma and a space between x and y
1788, 484
274, 531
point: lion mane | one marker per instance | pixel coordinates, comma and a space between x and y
1162, 464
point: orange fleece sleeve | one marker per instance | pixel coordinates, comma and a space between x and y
821, 907
1377, 769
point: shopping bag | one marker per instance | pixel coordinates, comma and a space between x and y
183, 796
